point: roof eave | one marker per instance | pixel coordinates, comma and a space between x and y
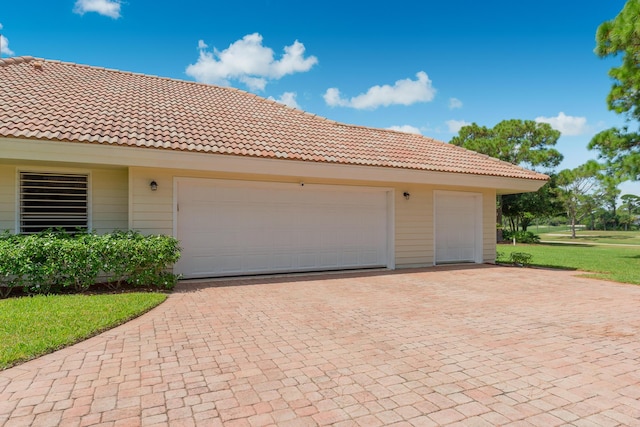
113, 155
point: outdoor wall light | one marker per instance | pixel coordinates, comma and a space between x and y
153, 185
406, 195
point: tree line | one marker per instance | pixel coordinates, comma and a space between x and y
589, 193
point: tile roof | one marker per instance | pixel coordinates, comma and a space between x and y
58, 101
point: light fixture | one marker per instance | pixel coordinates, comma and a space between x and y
406, 195
153, 185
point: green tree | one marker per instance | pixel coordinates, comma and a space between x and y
621, 150
521, 209
631, 207
577, 187
621, 36
520, 142
609, 192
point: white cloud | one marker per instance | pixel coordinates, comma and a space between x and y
332, 98
110, 8
253, 83
567, 125
287, 98
403, 92
455, 125
4, 45
249, 62
406, 129
454, 103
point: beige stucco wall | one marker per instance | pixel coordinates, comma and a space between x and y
110, 199
414, 224
108, 194
414, 227
7, 197
489, 226
151, 212
115, 207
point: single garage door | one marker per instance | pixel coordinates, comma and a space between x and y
458, 227
231, 228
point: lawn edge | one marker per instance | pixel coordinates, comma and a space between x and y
86, 337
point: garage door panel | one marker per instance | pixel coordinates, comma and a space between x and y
283, 261
350, 257
368, 257
329, 259
232, 229
456, 227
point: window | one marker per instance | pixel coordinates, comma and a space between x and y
53, 200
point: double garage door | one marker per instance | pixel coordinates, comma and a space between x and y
231, 228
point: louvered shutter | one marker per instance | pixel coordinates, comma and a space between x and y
53, 200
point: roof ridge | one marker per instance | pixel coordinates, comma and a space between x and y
394, 131
18, 60
15, 60
22, 59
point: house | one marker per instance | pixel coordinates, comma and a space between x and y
246, 184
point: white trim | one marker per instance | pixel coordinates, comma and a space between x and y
108, 154
54, 169
174, 196
301, 185
390, 198
16, 201
90, 201
391, 229
129, 199
479, 237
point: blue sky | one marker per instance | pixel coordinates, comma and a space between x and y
423, 66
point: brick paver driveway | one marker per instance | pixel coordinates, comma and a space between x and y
475, 346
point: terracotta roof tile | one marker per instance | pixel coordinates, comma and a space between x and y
58, 101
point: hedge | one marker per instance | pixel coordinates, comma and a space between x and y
521, 236
53, 261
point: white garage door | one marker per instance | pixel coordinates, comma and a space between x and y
236, 228
458, 226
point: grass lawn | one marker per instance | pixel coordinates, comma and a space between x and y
617, 263
586, 236
33, 326
539, 229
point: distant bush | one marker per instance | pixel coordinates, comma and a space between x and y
521, 236
52, 261
558, 220
522, 259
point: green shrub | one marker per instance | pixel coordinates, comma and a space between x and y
522, 259
149, 257
521, 236
42, 274
115, 253
12, 264
51, 262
